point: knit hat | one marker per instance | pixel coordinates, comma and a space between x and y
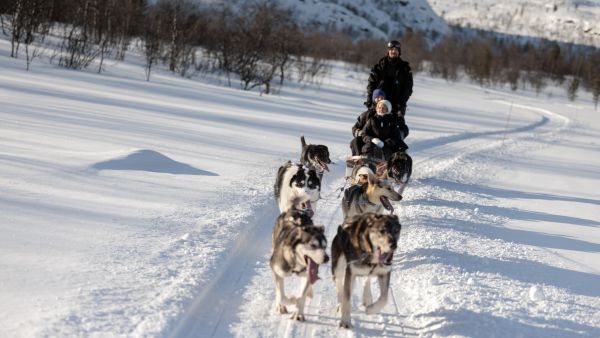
388, 104
378, 92
363, 171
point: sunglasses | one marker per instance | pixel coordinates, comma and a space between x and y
393, 45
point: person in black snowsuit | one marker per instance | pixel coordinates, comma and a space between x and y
394, 76
383, 132
357, 142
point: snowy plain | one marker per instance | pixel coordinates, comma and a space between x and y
134, 208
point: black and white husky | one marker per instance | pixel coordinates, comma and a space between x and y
315, 156
295, 182
299, 247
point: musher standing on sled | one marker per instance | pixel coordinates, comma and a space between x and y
394, 76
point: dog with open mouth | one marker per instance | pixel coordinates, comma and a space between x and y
374, 196
315, 156
363, 246
295, 182
299, 247
399, 169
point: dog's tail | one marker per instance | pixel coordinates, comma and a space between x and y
303, 141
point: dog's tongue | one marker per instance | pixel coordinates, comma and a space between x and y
386, 204
385, 258
313, 270
308, 209
324, 165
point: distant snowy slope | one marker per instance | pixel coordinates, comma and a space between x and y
361, 18
567, 20
573, 21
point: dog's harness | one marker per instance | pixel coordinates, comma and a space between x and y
362, 259
350, 197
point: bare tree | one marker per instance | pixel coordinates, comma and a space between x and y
596, 90
153, 43
28, 21
572, 88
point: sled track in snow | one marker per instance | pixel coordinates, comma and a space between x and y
240, 299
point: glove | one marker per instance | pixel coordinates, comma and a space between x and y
377, 142
402, 110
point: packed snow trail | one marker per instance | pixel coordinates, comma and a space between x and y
253, 315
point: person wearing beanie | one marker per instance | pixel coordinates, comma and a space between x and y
394, 76
356, 144
382, 132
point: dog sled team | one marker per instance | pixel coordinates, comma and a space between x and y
378, 171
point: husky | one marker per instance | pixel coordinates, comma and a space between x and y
363, 246
294, 182
374, 196
299, 247
399, 168
315, 156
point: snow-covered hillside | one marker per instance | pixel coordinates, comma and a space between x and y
363, 18
575, 21
134, 208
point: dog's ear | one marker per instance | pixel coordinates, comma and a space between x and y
372, 179
394, 223
295, 232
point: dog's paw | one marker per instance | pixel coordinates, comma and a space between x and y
289, 300
297, 316
367, 298
345, 325
281, 309
370, 309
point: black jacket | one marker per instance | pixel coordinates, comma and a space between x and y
387, 128
361, 120
394, 77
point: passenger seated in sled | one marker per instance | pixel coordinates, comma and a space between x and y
383, 133
357, 145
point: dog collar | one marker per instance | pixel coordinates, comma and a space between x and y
300, 271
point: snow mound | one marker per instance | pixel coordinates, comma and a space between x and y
536, 294
152, 161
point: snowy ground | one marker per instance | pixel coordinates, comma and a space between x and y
134, 208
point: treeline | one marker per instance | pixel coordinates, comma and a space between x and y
260, 44
491, 60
